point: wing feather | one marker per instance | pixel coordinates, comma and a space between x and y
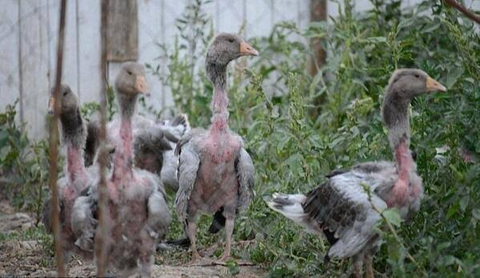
189, 163
246, 178
342, 206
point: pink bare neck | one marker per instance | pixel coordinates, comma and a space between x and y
75, 166
404, 167
122, 167
220, 111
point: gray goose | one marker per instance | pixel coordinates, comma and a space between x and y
215, 172
137, 211
76, 178
153, 145
340, 208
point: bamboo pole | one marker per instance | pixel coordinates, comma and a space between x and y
100, 240
53, 173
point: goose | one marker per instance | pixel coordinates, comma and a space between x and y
215, 171
341, 208
137, 212
154, 145
76, 178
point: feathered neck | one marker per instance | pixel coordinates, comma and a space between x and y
218, 75
396, 119
127, 103
74, 137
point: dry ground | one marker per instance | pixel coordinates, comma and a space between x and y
24, 251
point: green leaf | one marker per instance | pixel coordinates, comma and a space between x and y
476, 214
453, 76
393, 217
464, 203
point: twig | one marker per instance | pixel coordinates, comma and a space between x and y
53, 173
102, 227
463, 10
366, 188
397, 238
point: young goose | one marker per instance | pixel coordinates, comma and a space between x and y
76, 177
215, 171
153, 145
340, 208
137, 211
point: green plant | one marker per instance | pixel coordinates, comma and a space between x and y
23, 164
298, 128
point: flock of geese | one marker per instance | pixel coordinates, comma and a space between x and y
212, 173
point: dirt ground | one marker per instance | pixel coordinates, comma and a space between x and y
23, 254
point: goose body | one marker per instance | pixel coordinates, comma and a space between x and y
215, 172
345, 208
77, 178
154, 144
137, 213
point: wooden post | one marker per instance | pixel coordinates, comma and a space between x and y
53, 173
122, 31
318, 12
101, 236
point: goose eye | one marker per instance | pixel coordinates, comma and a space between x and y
65, 93
129, 72
417, 76
231, 40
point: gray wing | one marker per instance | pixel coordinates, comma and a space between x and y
246, 179
47, 214
187, 137
47, 207
159, 217
189, 163
175, 128
92, 142
84, 222
168, 174
342, 210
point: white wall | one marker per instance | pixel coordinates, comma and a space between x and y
28, 34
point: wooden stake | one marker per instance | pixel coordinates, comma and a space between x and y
53, 173
318, 12
101, 236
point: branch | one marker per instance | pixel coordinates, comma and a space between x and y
463, 10
53, 173
100, 239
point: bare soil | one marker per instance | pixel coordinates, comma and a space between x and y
20, 255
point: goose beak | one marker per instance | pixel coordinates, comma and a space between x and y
433, 85
246, 49
141, 85
51, 105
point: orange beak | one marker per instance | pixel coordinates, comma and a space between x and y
433, 85
141, 85
246, 49
51, 105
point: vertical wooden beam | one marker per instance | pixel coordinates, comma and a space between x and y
122, 31
318, 12
53, 175
100, 239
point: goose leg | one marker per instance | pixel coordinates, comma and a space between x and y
358, 266
368, 264
229, 225
192, 235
